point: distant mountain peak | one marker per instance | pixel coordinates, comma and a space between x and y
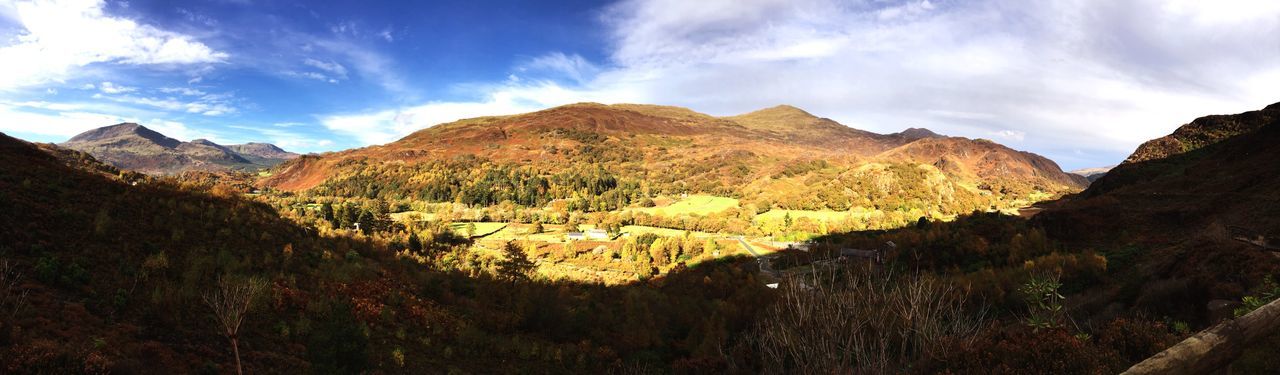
262, 151
782, 110
1093, 174
918, 133
125, 129
133, 146
777, 117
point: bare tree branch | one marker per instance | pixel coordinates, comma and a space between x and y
230, 301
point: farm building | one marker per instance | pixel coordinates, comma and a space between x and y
575, 236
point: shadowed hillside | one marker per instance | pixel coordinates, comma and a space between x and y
113, 270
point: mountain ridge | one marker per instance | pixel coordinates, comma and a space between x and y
136, 147
673, 147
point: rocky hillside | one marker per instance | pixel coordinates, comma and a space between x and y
262, 152
676, 150
1204, 131
135, 147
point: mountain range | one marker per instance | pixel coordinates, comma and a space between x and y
135, 147
780, 156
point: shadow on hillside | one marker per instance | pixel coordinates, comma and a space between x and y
116, 273
1160, 238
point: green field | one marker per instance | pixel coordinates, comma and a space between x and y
693, 205
665, 232
824, 215
482, 228
550, 233
410, 215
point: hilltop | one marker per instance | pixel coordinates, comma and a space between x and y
135, 147
775, 157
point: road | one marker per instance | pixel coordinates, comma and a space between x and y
765, 265
747, 246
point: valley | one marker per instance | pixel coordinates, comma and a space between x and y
604, 254
639, 187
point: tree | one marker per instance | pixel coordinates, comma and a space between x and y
471, 229
415, 244
537, 227
326, 212
574, 221
230, 301
516, 265
711, 248
12, 300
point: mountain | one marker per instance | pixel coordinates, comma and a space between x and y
135, 147
1173, 215
1204, 131
780, 157
1093, 174
262, 153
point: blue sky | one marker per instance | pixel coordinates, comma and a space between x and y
1080, 81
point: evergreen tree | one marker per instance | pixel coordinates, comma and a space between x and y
415, 244
515, 265
326, 212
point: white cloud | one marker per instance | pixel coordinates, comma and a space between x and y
180, 131
329, 66
366, 63
61, 36
1010, 135
182, 90
111, 88
309, 75
208, 104
64, 122
571, 66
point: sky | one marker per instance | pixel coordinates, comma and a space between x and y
1083, 82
